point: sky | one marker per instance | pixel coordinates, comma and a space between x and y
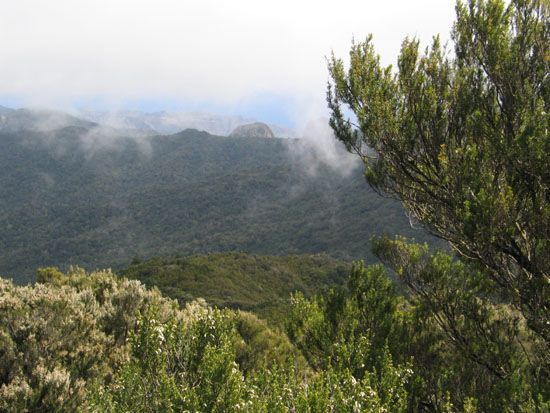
258, 59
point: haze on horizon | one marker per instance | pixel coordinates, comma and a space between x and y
265, 60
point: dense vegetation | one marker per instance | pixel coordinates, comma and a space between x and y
73, 197
261, 284
97, 342
101, 343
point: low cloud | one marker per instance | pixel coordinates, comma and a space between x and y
319, 148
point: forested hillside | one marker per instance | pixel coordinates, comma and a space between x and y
261, 284
74, 197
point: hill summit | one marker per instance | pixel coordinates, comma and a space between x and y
252, 130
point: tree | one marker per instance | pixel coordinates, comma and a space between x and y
466, 343
463, 141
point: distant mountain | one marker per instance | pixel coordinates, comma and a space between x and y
71, 197
47, 121
127, 122
252, 130
13, 120
5, 110
173, 122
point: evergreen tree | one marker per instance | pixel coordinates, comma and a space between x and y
463, 141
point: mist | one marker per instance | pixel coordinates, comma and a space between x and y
319, 148
212, 56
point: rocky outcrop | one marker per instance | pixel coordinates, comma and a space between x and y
252, 130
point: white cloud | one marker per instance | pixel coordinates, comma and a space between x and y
56, 51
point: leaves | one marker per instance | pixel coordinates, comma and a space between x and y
463, 141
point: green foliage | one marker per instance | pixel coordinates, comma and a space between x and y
463, 141
260, 345
190, 366
466, 351
354, 330
63, 333
79, 331
261, 284
354, 327
175, 366
468, 341
333, 390
95, 342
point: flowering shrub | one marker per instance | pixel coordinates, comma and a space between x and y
66, 331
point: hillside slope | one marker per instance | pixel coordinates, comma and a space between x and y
238, 280
71, 199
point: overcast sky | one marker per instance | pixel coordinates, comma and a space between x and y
262, 59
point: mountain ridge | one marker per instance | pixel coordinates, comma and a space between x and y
165, 122
73, 197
